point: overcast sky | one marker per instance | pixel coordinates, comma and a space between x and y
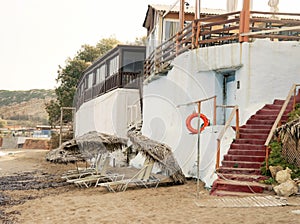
38, 35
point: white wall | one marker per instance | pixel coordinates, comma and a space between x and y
107, 113
265, 70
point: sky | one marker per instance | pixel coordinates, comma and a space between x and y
39, 35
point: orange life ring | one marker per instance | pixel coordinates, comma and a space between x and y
191, 117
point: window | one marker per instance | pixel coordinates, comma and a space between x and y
102, 73
97, 79
170, 28
114, 65
89, 81
133, 61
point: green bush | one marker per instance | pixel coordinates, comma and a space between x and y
276, 159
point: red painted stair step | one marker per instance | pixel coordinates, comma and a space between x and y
248, 171
241, 164
247, 146
244, 158
247, 152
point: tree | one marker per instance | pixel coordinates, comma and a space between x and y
69, 75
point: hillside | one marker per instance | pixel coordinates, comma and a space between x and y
25, 108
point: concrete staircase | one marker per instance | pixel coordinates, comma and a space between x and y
240, 173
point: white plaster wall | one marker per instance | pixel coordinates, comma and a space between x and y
107, 113
265, 70
268, 72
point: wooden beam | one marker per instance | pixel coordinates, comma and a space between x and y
181, 15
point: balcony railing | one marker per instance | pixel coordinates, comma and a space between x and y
128, 80
216, 30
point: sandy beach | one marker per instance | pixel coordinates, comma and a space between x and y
61, 203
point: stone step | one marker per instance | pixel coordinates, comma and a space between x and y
255, 131
248, 171
239, 186
250, 141
260, 122
273, 107
247, 146
263, 117
257, 126
242, 177
267, 112
244, 158
253, 135
241, 164
246, 152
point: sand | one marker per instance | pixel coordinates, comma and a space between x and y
165, 204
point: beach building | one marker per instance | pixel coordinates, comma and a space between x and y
237, 70
236, 67
108, 94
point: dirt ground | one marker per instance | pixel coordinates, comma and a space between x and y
33, 192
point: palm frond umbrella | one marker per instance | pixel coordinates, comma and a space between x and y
157, 152
87, 147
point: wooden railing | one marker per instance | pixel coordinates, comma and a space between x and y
223, 29
292, 93
234, 113
128, 80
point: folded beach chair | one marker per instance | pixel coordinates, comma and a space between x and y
78, 172
142, 178
89, 178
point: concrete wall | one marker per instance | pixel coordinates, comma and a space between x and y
109, 113
265, 70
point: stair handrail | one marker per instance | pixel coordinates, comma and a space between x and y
235, 112
278, 119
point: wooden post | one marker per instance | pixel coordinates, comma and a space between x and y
218, 154
198, 150
237, 124
215, 111
267, 157
294, 100
181, 15
197, 9
246, 25
60, 128
242, 19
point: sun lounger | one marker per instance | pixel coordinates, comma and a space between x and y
99, 171
142, 178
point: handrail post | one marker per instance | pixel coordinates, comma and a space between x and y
241, 30
267, 157
193, 35
237, 124
215, 111
218, 154
294, 100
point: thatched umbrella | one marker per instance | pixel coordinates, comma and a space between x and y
157, 152
87, 147
92, 145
